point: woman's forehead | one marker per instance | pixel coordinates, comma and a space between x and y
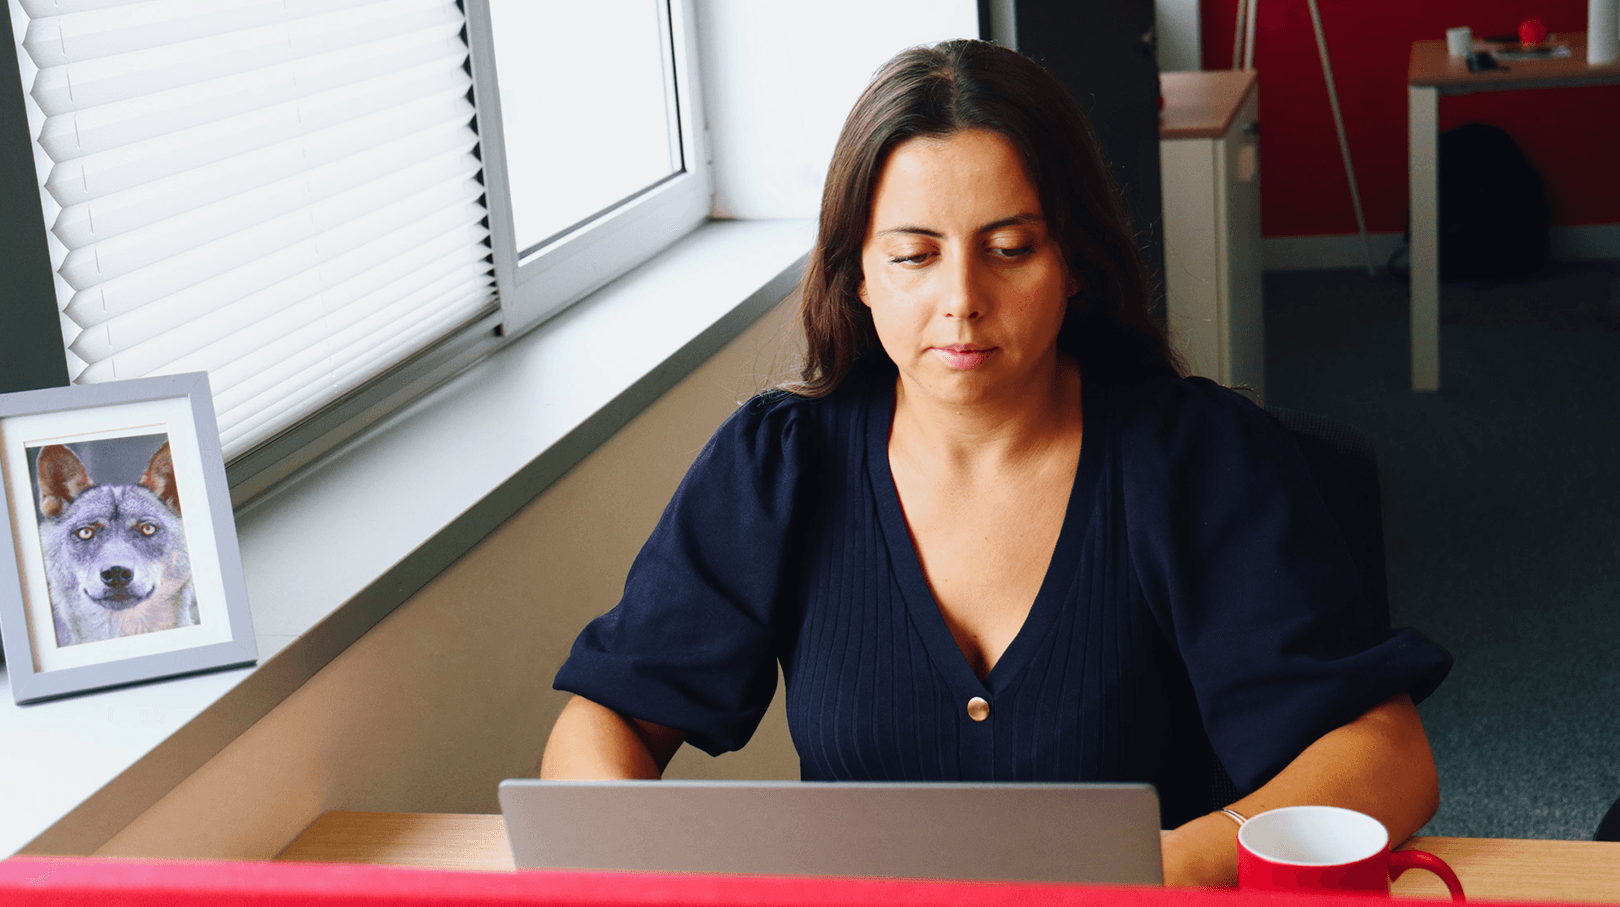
962, 181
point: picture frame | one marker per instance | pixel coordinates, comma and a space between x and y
118, 553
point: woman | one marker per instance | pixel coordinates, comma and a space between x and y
993, 534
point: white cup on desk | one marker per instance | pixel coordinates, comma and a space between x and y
1459, 41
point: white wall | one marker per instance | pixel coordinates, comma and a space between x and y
779, 78
1177, 24
452, 691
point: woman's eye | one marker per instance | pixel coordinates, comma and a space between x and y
1017, 252
86, 532
917, 259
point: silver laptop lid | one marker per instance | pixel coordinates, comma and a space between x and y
1098, 833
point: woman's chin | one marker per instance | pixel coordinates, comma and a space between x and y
982, 385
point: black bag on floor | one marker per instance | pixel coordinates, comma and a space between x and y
1494, 214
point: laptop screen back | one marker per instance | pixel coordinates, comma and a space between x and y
1098, 833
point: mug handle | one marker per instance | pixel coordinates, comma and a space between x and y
1402, 860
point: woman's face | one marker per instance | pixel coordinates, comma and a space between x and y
967, 287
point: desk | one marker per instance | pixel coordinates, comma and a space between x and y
1209, 163
1433, 72
1489, 868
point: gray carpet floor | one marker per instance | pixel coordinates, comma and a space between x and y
1502, 519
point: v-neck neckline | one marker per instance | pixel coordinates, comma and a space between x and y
921, 605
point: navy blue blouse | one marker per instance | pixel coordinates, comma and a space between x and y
1198, 587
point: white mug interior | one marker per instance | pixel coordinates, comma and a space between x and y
1313, 836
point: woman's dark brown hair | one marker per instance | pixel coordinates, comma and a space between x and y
960, 85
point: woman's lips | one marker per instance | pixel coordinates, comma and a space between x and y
962, 358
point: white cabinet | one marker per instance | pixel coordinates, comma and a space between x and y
1209, 158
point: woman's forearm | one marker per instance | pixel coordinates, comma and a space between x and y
593, 742
1380, 764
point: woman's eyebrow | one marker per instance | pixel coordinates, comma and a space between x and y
911, 229
1015, 220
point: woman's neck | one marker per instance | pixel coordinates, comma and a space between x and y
992, 433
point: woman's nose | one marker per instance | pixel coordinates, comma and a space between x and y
964, 295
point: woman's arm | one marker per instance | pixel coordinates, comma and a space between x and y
593, 742
1378, 764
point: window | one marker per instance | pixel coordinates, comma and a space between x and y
594, 153
309, 199
566, 161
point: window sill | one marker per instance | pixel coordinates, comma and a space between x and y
335, 551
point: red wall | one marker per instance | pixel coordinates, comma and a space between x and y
1572, 135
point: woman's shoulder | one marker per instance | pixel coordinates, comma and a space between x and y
1173, 411
778, 417
782, 405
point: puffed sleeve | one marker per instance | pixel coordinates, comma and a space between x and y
689, 643
1249, 576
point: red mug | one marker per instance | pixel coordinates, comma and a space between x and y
1326, 848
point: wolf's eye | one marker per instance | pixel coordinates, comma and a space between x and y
86, 532
147, 529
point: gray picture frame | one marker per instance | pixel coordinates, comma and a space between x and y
28, 682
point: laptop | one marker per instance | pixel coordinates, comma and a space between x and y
1096, 833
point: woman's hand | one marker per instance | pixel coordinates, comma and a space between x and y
1379, 764
593, 742
1201, 853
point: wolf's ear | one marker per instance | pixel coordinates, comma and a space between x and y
159, 478
61, 479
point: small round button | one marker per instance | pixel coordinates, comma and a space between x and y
978, 709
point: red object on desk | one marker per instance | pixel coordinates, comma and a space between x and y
70, 882
1532, 31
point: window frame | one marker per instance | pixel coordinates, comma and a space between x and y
568, 268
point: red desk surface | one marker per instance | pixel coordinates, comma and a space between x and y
60, 882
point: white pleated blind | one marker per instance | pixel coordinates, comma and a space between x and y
284, 193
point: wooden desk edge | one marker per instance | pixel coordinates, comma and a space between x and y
1508, 869
437, 840
1203, 104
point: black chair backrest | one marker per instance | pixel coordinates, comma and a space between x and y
1342, 462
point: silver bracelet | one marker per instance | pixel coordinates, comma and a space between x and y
1235, 815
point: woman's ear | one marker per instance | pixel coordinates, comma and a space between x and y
860, 291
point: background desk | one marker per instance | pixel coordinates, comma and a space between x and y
1432, 73
1489, 868
1209, 163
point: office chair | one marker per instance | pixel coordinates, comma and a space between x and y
1342, 462
1609, 828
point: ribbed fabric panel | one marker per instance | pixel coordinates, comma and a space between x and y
810, 674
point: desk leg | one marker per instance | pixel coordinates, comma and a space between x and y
1423, 115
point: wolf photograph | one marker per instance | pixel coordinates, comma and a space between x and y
114, 545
